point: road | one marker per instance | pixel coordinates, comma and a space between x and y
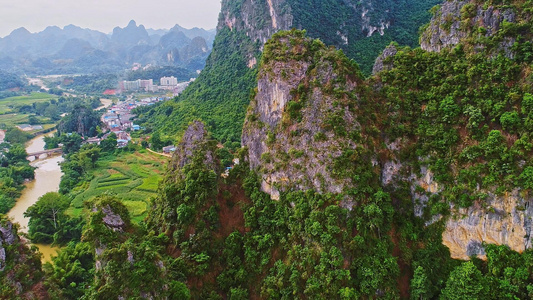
105, 103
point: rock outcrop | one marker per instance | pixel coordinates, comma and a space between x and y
502, 220
291, 127
381, 62
466, 22
111, 219
194, 139
7, 238
259, 20
21, 276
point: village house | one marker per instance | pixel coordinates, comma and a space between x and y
169, 149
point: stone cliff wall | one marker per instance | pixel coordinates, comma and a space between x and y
457, 21
296, 148
258, 19
195, 138
504, 220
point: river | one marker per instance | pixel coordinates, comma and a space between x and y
47, 178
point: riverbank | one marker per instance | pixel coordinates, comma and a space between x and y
47, 177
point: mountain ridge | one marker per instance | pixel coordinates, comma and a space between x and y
125, 46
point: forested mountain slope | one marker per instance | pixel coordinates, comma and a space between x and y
221, 94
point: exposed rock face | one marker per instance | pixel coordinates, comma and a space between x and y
380, 63
502, 220
258, 19
298, 154
454, 21
7, 237
112, 220
21, 276
443, 30
194, 139
506, 220
370, 26
7, 233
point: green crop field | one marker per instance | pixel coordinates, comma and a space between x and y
11, 120
132, 177
7, 104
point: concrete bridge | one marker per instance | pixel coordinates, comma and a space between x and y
37, 155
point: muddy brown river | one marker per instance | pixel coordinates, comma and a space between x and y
47, 178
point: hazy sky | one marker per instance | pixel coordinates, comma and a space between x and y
104, 15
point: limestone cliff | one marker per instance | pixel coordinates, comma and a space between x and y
122, 254
303, 117
469, 22
341, 23
194, 160
194, 139
381, 62
21, 275
503, 220
258, 19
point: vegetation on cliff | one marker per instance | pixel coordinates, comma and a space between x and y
221, 94
345, 186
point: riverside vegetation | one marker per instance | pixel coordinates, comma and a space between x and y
431, 133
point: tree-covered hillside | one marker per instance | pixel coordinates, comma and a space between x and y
221, 94
413, 183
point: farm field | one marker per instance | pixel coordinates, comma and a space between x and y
12, 120
7, 104
131, 177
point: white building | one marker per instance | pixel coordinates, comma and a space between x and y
146, 85
169, 81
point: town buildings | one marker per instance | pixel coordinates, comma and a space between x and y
169, 81
170, 84
137, 85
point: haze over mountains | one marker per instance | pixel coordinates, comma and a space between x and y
77, 50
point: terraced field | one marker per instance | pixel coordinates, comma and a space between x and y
132, 177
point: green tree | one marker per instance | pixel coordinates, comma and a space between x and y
16, 136
155, 141
466, 282
110, 143
16, 153
420, 285
46, 216
72, 271
527, 178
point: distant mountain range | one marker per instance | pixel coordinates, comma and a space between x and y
77, 50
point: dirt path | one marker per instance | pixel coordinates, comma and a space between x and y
159, 153
105, 103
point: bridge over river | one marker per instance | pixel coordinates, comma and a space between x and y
37, 155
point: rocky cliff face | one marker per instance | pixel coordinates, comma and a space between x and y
467, 22
7, 238
259, 20
194, 140
503, 220
20, 267
290, 130
499, 219
381, 62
